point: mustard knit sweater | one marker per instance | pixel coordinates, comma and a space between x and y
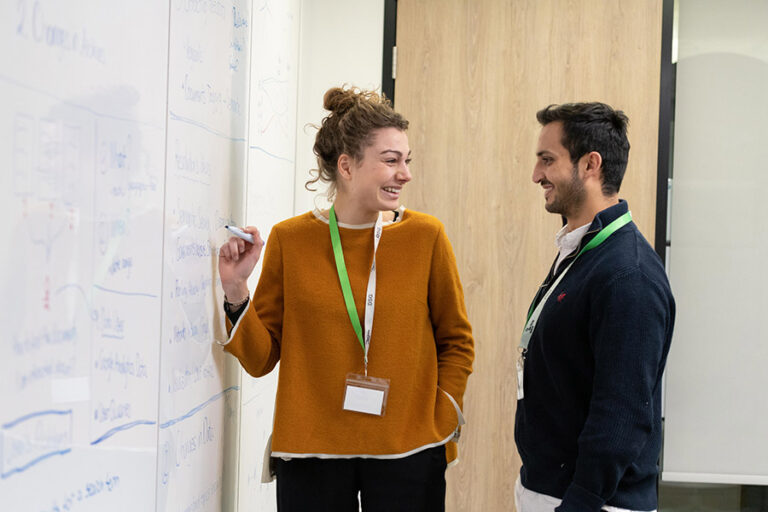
421, 340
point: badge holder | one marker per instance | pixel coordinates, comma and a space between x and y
366, 394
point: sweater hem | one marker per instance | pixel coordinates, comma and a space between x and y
459, 415
290, 455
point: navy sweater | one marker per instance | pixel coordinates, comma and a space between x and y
589, 427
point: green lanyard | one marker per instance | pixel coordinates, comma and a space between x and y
346, 288
600, 237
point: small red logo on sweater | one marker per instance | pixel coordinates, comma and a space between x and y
561, 297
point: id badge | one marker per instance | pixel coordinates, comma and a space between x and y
520, 371
366, 394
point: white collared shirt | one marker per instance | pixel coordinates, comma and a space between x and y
568, 241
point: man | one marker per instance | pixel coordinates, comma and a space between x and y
588, 423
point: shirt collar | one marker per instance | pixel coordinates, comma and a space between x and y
602, 219
567, 241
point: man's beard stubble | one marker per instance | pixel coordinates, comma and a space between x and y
568, 197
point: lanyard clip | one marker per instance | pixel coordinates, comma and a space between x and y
365, 359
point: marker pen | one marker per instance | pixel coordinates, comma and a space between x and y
240, 233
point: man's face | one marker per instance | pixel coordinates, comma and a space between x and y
563, 188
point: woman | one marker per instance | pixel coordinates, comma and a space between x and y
369, 406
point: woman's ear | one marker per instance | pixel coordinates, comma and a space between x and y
344, 166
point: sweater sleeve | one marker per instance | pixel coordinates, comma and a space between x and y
632, 326
448, 314
255, 338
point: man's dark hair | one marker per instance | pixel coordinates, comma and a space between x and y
593, 127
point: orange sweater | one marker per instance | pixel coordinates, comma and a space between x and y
421, 338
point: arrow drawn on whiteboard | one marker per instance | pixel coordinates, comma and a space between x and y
175, 117
129, 294
109, 433
197, 409
257, 148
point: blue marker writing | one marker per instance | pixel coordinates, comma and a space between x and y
240, 233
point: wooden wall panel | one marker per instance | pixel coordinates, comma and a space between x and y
471, 76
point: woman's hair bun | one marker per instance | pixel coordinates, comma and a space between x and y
354, 114
338, 100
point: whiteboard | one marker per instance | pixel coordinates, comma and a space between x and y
126, 130
269, 199
121, 171
715, 414
205, 162
83, 136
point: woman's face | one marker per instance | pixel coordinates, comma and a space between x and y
377, 180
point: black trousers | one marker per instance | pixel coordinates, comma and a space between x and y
411, 484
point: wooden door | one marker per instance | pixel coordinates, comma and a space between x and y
471, 75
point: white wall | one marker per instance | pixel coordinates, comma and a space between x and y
716, 419
341, 43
